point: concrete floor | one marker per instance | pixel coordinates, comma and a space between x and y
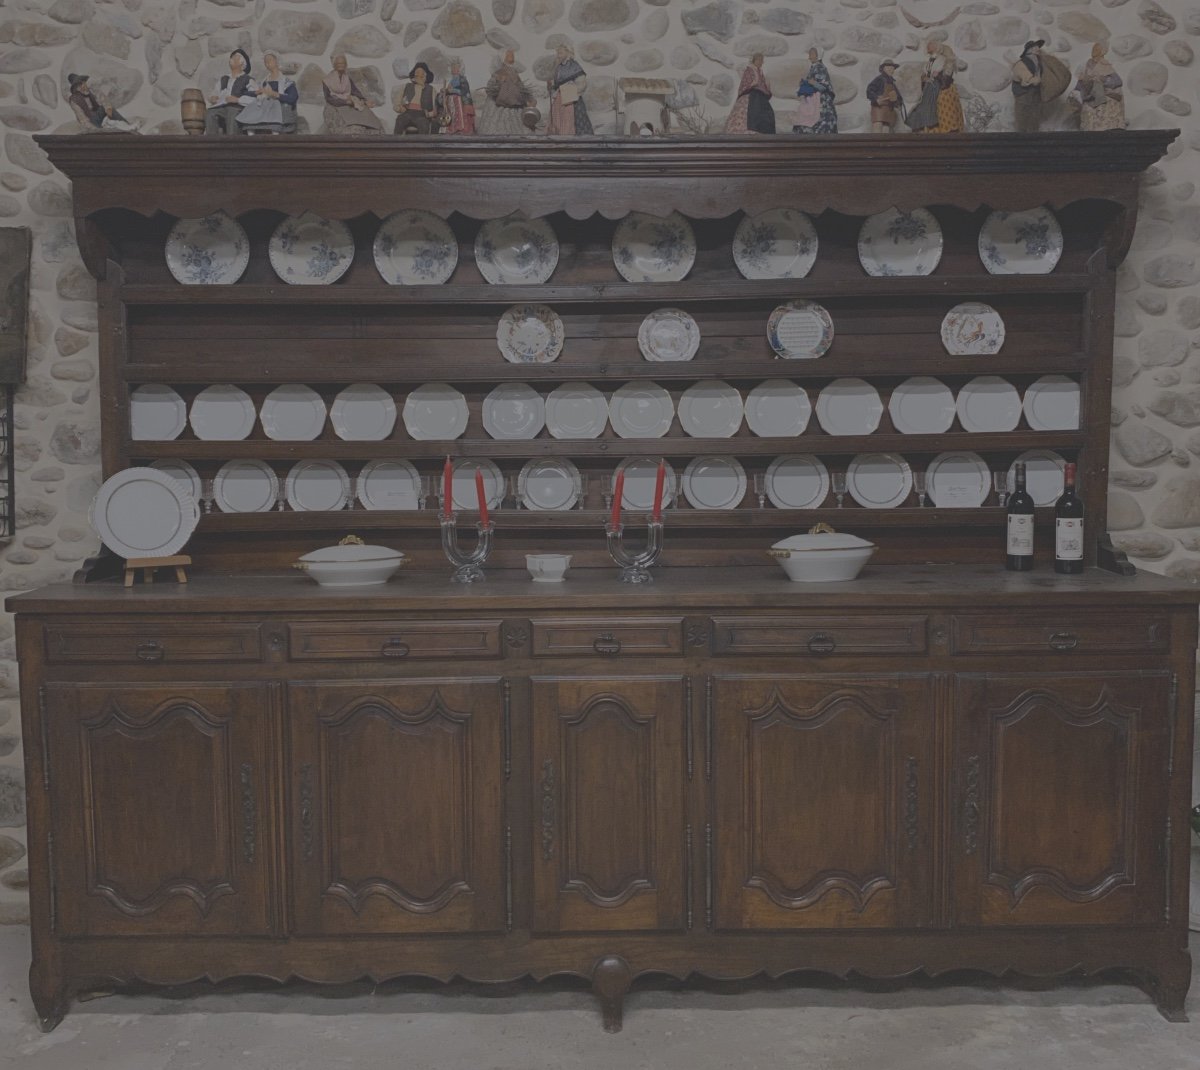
814, 1026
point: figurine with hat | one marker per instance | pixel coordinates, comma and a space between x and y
416, 110
231, 93
1037, 79
887, 103
93, 115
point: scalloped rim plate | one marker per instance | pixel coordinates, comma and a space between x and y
363, 412
922, 405
1052, 404
895, 243
988, 403
514, 411
435, 412
1021, 243
641, 410
156, 413
711, 409
219, 248
293, 413
580, 403
778, 408
222, 413
849, 406
780, 243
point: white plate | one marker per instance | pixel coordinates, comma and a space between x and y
245, 487
922, 405
777, 244
714, 482
641, 475
317, 487
293, 413
516, 250
1044, 475
212, 251
1052, 404
849, 407
576, 410
900, 243
551, 484
668, 334
879, 480
307, 250
778, 408
710, 409
222, 413
142, 512
514, 411
463, 492
156, 413
388, 485
415, 248
530, 334
649, 248
363, 412
972, 329
1021, 243
435, 412
800, 330
988, 403
641, 410
797, 481
958, 480
184, 473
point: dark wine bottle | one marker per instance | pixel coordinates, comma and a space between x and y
1020, 526
1068, 527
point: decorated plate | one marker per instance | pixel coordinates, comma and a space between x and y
245, 486
1044, 475
463, 490
212, 251
958, 480
222, 413
641, 410
516, 250
800, 330
576, 410
363, 412
550, 484
668, 334
514, 411
388, 484
972, 329
778, 408
849, 407
293, 413
714, 482
317, 487
1052, 404
648, 248
156, 413
879, 480
988, 403
530, 334
710, 409
777, 244
142, 512
435, 412
1021, 243
900, 243
922, 405
415, 248
641, 475
797, 481
306, 250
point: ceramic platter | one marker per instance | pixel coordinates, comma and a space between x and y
922, 405
879, 480
415, 248
649, 248
714, 482
516, 250
1021, 243
363, 412
641, 474
514, 411
800, 330
306, 250
668, 334
641, 410
900, 243
797, 481
972, 329
710, 409
293, 413
184, 473
388, 485
1052, 404
435, 412
849, 407
989, 403
576, 410
222, 413
777, 244
958, 480
530, 334
143, 512
464, 493
156, 413
245, 487
1044, 475
550, 484
212, 251
778, 408
317, 487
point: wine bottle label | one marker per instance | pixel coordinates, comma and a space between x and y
1068, 539
1020, 534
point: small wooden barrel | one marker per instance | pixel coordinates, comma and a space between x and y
192, 109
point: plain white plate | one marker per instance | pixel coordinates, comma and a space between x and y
576, 410
514, 411
388, 484
156, 413
1044, 475
959, 479
435, 412
550, 484
778, 408
222, 413
463, 491
988, 403
879, 480
245, 486
922, 405
797, 481
668, 334
293, 413
212, 251
714, 482
641, 475
900, 243
317, 487
648, 248
849, 407
780, 243
710, 409
516, 250
142, 512
641, 410
363, 412
414, 247
1052, 404
306, 250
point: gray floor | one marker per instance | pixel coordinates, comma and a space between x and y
815, 1026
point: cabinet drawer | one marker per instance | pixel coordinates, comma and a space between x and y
153, 642
1133, 633
819, 635
572, 637
393, 640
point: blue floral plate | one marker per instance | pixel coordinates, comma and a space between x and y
307, 250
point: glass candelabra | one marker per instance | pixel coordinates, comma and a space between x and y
635, 567
468, 566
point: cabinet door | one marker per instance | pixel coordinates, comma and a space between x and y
608, 762
396, 808
823, 801
163, 816
1060, 798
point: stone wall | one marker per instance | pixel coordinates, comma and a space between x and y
141, 53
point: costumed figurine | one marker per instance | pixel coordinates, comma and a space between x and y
417, 108
568, 113
816, 114
232, 92
1097, 94
1036, 80
460, 106
887, 102
273, 110
940, 108
93, 115
505, 99
752, 112
347, 110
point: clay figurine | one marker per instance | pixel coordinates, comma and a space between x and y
460, 106
347, 110
1097, 94
816, 114
273, 110
417, 109
887, 103
93, 115
505, 99
940, 108
752, 112
232, 92
1036, 80
568, 113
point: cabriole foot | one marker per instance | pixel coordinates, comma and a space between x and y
611, 978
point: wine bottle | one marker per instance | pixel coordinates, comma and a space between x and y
1068, 527
1020, 526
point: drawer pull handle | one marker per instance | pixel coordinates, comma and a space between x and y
152, 650
1063, 641
606, 644
820, 643
395, 648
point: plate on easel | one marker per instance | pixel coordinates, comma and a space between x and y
142, 512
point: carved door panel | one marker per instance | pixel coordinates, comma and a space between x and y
609, 768
397, 806
163, 821
1060, 793
822, 801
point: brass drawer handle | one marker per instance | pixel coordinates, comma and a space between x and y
395, 648
1064, 641
820, 643
151, 650
606, 644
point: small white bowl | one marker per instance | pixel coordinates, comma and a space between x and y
822, 558
351, 565
548, 568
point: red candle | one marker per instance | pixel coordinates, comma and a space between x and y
618, 490
479, 493
658, 489
447, 488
